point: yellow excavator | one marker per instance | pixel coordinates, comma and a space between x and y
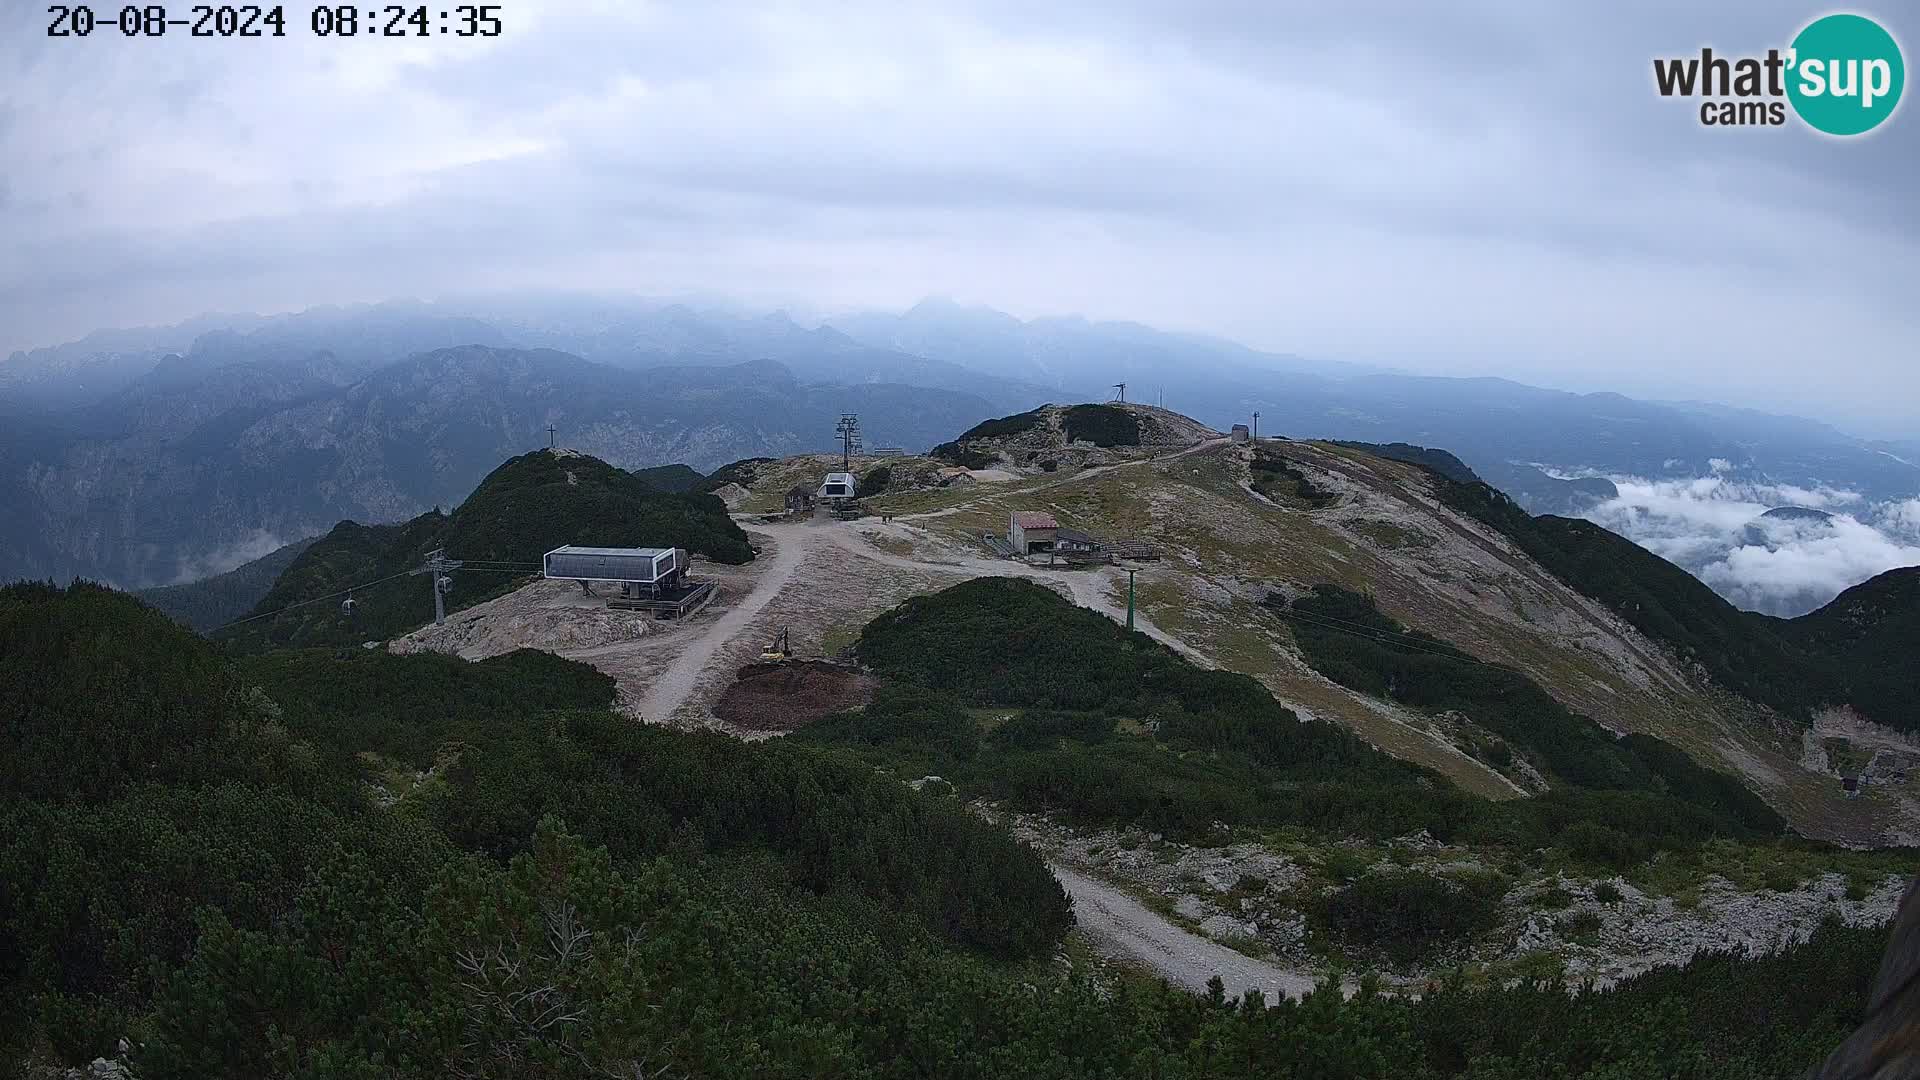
780, 650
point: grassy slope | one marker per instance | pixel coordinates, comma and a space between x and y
1428, 567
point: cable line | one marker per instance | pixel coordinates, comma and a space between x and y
505, 568
314, 600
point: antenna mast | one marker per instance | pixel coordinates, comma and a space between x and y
1122, 387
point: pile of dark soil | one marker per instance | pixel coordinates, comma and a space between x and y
783, 697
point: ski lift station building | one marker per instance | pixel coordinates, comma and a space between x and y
658, 567
837, 485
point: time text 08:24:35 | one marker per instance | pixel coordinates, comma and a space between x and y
250, 20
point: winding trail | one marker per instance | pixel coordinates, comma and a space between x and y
1123, 926
676, 684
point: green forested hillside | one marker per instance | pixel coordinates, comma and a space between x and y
222, 598
1112, 728
671, 478
319, 864
1349, 640
1004, 426
1868, 637
525, 508
1857, 650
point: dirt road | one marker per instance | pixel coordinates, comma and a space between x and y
1069, 478
671, 690
1088, 587
1122, 926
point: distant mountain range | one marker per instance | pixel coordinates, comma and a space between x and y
152, 455
1505, 430
196, 466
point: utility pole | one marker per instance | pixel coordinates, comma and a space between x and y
1256, 425
439, 566
550, 430
1130, 573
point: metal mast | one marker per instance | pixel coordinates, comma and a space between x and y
439, 566
550, 430
1122, 387
1130, 574
849, 431
1256, 425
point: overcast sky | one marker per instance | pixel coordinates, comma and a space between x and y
1458, 188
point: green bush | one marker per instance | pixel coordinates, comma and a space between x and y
1408, 916
1101, 425
1346, 864
1599, 844
1607, 892
959, 455
1277, 477
1580, 924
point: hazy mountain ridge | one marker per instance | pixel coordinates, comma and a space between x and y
77, 372
257, 448
303, 396
634, 334
1492, 424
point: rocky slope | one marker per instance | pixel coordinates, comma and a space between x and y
1231, 535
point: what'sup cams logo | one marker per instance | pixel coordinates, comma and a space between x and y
1842, 75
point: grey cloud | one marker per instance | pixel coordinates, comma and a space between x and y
1474, 188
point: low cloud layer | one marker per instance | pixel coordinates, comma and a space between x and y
255, 545
1782, 565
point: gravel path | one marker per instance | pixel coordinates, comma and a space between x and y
1087, 586
676, 683
1122, 926
1070, 478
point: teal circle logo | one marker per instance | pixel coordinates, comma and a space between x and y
1845, 74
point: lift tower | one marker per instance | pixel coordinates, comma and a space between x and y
849, 431
440, 567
